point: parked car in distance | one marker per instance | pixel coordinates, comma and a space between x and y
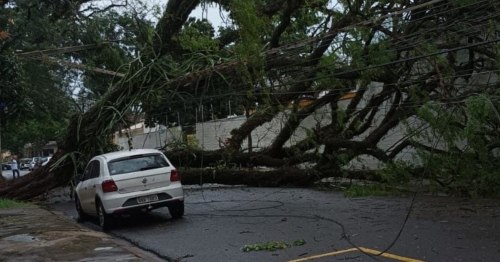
24, 163
34, 163
126, 182
6, 166
37, 162
45, 160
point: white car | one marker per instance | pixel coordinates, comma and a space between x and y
127, 182
33, 163
46, 160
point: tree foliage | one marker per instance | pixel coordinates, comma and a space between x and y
409, 63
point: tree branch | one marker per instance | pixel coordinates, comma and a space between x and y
174, 17
291, 6
294, 122
394, 107
98, 10
238, 135
404, 110
377, 153
268, 10
327, 41
373, 107
400, 147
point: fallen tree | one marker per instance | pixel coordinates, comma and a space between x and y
349, 50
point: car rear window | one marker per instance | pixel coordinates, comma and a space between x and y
136, 163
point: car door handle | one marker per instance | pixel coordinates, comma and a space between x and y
85, 188
93, 186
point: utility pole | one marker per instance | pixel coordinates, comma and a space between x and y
3, 109
166, 130
249, 138
1, 154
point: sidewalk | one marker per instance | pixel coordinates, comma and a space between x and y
35, 234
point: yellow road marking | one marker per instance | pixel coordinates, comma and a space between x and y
324, 255
366, 250
387, 255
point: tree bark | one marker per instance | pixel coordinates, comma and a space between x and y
268, 178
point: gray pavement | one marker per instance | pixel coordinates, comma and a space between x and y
34, 234
219, 222
7, 174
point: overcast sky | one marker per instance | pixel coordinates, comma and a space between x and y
211, 13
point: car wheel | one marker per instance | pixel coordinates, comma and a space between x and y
176, 210
81, 215
104, 219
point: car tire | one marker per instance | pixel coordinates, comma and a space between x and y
105, 220
176, 210
82, 217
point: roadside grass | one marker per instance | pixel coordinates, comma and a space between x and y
358, 190
364, 189
7, 203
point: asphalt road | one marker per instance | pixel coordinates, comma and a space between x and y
8, 173
219, 222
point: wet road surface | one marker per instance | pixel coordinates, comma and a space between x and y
218, 222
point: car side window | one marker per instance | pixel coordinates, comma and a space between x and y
88, 171
96, 169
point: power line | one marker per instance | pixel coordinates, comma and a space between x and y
44, 56
363, 23
428, 17
243, 92
56, 61
56, 51
368, 67
408, 106
233, 64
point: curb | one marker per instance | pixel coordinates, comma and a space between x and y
125, 245
146, 255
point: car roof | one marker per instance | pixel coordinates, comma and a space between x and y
125, 153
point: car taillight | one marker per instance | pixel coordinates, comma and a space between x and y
109, 186
175, 176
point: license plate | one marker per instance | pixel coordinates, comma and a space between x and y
146, 199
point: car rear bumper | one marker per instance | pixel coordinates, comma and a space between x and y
146, 207
127, 203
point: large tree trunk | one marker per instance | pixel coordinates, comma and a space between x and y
353, 130
37, 182
293, 177
252, 177
89, 134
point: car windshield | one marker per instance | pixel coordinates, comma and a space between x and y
136, 163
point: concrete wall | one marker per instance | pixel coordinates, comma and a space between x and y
48, 150
154, 138
208, 133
